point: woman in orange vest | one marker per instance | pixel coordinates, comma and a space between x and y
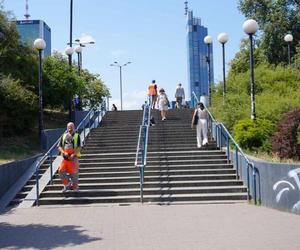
69, 147
152, 92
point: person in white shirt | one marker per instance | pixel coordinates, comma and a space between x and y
162, 103
200, 120
179, 95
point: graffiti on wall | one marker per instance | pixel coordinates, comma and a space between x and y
283, 187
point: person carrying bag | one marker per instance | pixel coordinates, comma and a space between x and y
199, 120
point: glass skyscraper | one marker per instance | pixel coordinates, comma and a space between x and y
29, 30
197, 59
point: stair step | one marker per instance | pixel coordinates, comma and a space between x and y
147, 198
147, 191
122, 179
153, 184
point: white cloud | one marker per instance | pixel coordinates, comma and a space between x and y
85, 38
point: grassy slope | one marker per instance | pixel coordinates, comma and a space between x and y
21, 147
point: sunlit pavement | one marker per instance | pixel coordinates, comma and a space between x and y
202, 226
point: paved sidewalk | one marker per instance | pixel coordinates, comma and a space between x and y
151, 227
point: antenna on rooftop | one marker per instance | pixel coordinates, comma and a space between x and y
27, 14
186, 7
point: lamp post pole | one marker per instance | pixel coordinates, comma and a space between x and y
208, 41
71, 30
78, 50
69, 52
250, 27
116, 64
40, 45
289, 38
121, 87
223, 38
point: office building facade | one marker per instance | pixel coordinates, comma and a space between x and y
197, 60
29, 30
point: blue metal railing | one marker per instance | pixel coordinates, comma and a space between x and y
142, 145
223, 138
91, 120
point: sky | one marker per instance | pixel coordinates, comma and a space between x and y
149, 33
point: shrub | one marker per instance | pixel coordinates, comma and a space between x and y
286, 141
254, 134
18, 107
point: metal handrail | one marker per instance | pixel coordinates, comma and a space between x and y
93, 114
220, 130
142, 145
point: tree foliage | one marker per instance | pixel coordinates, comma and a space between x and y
254, 135
277, 91
285, 142
19, 81
18, 107
17, 60
62, 82
276, 18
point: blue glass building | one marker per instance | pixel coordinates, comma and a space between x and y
29, 30
197, 59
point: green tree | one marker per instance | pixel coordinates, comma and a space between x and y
17, 60
277, 91
275, 18
240, 63
61, 83
18, 107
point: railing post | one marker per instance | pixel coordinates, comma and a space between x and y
237, 161
221, 141
37, 186
142, 183
254, 184
51, 169
217, 134
89, 123
248, 182
84, 130
228, 150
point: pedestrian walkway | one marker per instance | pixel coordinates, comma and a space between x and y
150, 227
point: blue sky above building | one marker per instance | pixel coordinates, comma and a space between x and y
150, 34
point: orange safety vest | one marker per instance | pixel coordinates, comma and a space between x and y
152, 89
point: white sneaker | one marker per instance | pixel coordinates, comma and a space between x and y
66, 188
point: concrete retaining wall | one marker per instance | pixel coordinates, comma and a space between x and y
279, 183
50, 136
11, 172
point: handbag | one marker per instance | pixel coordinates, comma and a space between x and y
196, 118
168, 103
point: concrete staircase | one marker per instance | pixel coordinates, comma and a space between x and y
20, 196
176, 172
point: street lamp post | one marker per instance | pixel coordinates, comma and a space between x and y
208, 41
250, 27
69, 52
71, 31
289, 38
78, 50
116, 64
223, 38
40, 45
